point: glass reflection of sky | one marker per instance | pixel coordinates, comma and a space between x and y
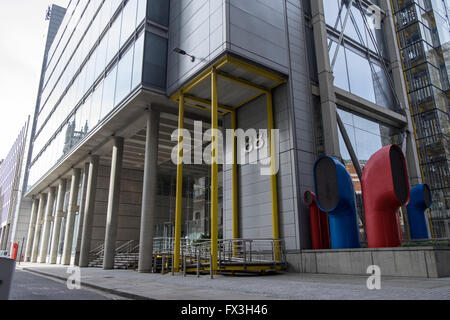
366, 137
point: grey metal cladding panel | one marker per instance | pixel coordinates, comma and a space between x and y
257, 31
271, 11
265, 24
254, 189
255, 233
296, 3
196, 26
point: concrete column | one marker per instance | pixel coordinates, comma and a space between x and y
112, 218
7, 238
57, 221
326, 81
2, 239
70, 220
48, 217
81, 214
31, 230
91, 190
396, 65
37, 232
149, 193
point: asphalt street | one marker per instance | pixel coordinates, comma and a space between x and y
28, 286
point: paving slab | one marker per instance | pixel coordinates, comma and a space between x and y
288, 286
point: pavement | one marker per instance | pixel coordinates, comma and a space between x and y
288, 286
29, 286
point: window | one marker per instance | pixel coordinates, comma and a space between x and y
158, 11
96, 105
360, 76
114, 38
129, 21
155, 60
124, 74
108, 92
137, 61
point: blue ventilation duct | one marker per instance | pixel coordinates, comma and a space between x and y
336, 195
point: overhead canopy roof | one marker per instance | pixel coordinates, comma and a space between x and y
239, 82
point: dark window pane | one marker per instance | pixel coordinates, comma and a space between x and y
158, 11
155, 60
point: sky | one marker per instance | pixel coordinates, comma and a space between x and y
22, 37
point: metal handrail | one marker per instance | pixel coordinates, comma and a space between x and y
97, 250
241, 251
126, 247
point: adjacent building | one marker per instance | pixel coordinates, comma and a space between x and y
123, 78
10, 172
22, 206
423, 29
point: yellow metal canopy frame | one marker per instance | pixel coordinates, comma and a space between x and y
244, 82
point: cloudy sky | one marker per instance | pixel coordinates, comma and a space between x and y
22, 36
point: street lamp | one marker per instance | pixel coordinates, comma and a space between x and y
184, 53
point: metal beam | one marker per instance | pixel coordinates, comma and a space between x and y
241, 81
214, 171
179, 187
273, 177
254, 69
235, 179
207, 102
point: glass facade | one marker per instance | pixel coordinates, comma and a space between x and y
423, 30
361, 62
367, 137
101, 54
10, 170
196, 203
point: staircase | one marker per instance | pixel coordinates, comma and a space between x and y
126, 256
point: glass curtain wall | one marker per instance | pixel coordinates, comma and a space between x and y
95, 61
361, 62
361, 67
196, 195
366, 137
196, 203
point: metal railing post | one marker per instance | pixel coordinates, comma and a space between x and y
220, 254
163, 264
153, 263
273, 250
245, 251
198, 264
173, 264
211, 266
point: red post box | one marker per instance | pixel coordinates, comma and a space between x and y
14, 251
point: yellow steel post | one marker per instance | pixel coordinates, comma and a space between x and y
273, 176
214, 170
179, 195
235, 183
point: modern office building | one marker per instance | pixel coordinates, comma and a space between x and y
22, 207
106, 174
423, 29
10, 172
